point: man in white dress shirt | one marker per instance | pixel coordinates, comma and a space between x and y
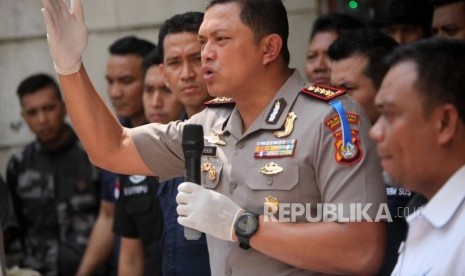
421, 144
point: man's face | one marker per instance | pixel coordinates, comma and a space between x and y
348, 73
449, 21
230, 54
44, 113
318, 65
160, 105
182, 67
125, 83
404, 33
404, 136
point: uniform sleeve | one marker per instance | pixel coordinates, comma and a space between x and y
160, 146
355, 179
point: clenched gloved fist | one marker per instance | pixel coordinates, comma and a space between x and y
207, 211
66, 34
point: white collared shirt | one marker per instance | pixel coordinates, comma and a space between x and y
435, 243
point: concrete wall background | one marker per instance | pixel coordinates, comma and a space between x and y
24, 50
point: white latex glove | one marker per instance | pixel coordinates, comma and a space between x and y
66, 34
206, 211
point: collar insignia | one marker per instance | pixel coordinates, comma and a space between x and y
276, 111
288, 126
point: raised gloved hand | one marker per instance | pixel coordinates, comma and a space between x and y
66, 34
207, 211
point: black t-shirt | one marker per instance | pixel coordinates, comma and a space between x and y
138, 215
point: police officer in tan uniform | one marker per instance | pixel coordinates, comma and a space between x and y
279, 144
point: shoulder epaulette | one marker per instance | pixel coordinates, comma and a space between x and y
220, 101
323, 92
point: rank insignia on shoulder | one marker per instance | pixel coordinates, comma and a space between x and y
220, 101
323, 92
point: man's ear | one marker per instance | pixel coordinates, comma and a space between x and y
272, 45
448, 120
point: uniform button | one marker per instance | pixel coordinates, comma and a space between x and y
240, 145
269, 181
233, 185
228, 271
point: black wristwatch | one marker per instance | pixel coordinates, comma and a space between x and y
246, 226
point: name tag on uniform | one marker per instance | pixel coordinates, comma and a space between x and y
209, 151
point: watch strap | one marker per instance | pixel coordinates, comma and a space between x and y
244, 240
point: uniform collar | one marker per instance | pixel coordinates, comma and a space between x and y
287, 93
445, 203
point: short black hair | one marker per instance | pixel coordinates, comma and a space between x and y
151, 59
131, 45
263, 17
438, 3
368, 42
186, 22
33, 83
336, 22
440, 71
412, 12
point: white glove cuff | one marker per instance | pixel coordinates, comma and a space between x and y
67, 71
233, 228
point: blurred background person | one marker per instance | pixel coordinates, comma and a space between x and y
449, 19
404, 20
358, 66
324, 31
182, 68
125, 84
138, 217
7, 223
53, 185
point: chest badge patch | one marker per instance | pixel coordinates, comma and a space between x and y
271, 204
288, 126
271, 169
274, 149
210, 169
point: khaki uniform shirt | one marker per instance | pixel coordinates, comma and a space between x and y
310, 173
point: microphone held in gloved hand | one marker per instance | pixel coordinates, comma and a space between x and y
192, 145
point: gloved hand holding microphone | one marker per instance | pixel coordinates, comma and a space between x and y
66, 34
207, 211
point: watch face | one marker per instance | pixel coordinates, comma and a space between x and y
247, 224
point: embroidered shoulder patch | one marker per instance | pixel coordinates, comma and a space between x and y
349, 154
323, 92
220, 101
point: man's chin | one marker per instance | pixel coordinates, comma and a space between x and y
390, 180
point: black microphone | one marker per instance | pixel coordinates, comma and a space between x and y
192, 145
